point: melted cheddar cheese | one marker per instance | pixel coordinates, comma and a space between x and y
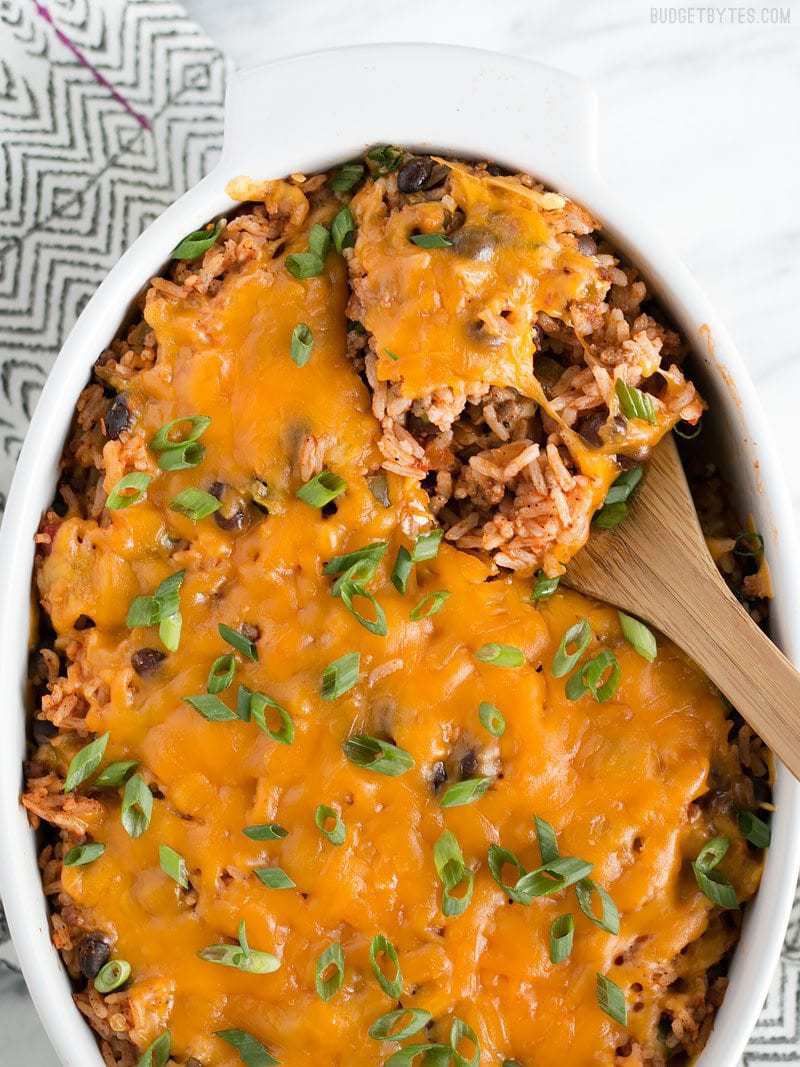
615, 780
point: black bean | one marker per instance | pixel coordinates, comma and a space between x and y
83, 622
234, 522
475, 242
328, 509
38, 672
118, 417
94, 953
147, 660
412, 176
589, 426
587, 245
468, 764
654, 385
44, 730
438, 775
250, 631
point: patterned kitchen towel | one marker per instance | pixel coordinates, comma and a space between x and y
109, 109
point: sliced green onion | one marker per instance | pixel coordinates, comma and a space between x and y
611, 999
588, 678
401, 571
329, 984
237, 640
459, 1032
499, 858
551, 878
343, 230
221, 673
610, 516
562, 933
383, 1029
157, 1054
162, 609
114, 775
382, 757
319, 240
274, 878
434, 1056
382, 946
543, 587
426, 546
182, 457
137, 806
259, 703
80, 855
340, 676
431, 604
198, 242
634, 403
211, 707
492, 718
430, 240
321, 489
174, 865
322, 816
609, 916
393, 356
112, 975
579, 635
714, 885
384, 159
266, 831
624, 485
749, 543
251, 1052
466, 792
195, 504
302, 344
84, 763
169, 630
348, 590
500, 655
453, 874
378, 485
346, 177
372, 553
243, 698
548, 842
248, 960
754, 829
198, 424
304, 265
130, 490
713, 853
640, 636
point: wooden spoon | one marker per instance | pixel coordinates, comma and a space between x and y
656, 565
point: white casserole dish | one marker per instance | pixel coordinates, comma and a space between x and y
304, 114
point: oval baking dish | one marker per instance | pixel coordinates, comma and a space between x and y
485, 106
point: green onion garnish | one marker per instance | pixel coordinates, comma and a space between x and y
258, 713
749, 543
580, 635
453, 874
243, 698
330, 971
321, 489
634, 403
340, 676
401, 571
500, 655
221, 673
237, 640
382, 946
638, 635
84, 763
114, 775
611, 999
384, 159
312, 263
430, 240
137, 806
754, 829
378, 485
383, 1029
372, 553
130, 490
615, 506
195, 504
435, 1055
393, 356
174, 865
610, 516
543, 587
546, 837
466, 792
492, 719
211, 707
302, 344
346, 177
163, 442
608, 919
323, 816
157, 1054
426, 546
431, 604
267, 831
182, 457
112, 975
251, 1052
382, 757
319, 240
198, 242
241, 956
499, 858
587, 679
274, 878
562, 933
162, 609
348, 590
343, 230
460, 1032
714, 885
79, 855
551, 877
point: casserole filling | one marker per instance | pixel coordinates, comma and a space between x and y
336, 772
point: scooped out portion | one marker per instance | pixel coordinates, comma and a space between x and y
513, 369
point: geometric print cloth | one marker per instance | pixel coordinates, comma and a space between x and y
109, 110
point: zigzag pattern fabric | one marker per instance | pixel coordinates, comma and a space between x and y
109, 110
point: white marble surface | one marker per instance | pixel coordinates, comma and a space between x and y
700, 129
